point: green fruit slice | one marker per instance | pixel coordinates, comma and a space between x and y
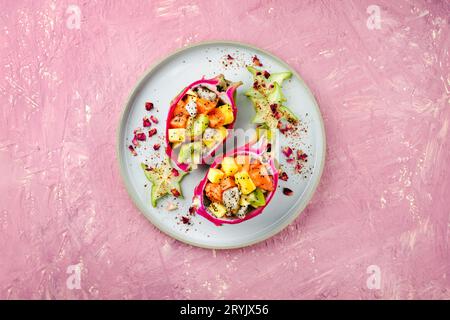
200, 124
257, 198
165, 180
190, 152
266, 93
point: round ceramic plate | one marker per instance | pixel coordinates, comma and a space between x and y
160, 85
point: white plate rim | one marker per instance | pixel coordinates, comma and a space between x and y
121, 161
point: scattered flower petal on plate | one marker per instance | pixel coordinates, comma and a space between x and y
287, 151
146, 122
256, 61
133, 152
154, 119
148, 106
283, 176
152, 132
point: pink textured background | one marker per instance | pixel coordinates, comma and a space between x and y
385, 194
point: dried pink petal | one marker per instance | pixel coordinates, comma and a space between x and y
133, 152
185, 220
301, 155
175, 172
256, 61
152, 132
283, 176
146, 122
148, 106
140, 136
135, 142
287, 151
154, 119
175, 192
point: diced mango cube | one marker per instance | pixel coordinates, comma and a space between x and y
244, 182
243, 201
215, 175
229, 166
227, 112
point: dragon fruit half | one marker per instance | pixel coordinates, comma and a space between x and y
199, 119
249, 184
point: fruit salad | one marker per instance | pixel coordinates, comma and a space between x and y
238, 186
198, 120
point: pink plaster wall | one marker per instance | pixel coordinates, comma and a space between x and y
384, 198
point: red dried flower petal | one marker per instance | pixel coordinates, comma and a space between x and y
286, 128
148, 106
141, 136
283, 176
185, 220
301, 155
287, 151
191, 211
290, 160
156, 146
175, 192
146, 122
274, 107
266, 74
175, 172
133, 152
153, 118
256, 61
298, 168
135, 141
287, 191
152, 132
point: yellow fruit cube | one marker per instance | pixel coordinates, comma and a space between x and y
217, 209
229, 166
243, 201
227, 112
244, 182
215, 175
177, 135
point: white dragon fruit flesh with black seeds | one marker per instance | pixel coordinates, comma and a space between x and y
231, 198
206, 94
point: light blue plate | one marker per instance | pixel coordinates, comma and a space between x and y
161, 84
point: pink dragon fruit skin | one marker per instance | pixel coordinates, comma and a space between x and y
227, 96
251, 149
